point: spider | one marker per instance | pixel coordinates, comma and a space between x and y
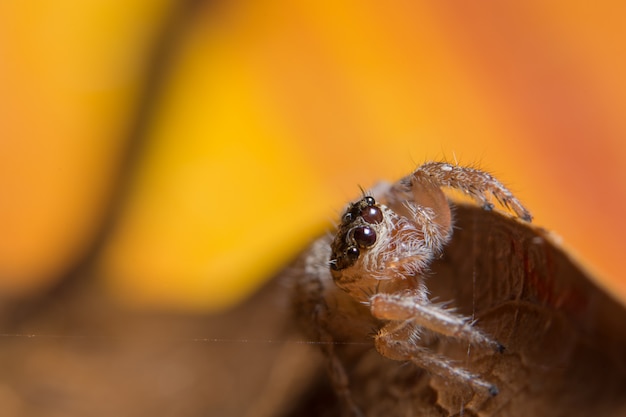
371, 275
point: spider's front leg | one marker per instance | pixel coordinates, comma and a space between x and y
406, 313
394, 342
413, 307
473, 182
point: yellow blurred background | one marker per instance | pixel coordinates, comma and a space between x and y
189, 150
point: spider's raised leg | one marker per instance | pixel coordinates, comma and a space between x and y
476, 183
420, 198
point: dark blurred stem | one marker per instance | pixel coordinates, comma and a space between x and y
159, 63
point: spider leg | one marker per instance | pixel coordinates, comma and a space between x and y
408, 311
476, 183
394, 344
414, 307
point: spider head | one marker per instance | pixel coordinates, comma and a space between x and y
357, 233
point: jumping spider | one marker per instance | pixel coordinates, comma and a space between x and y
370, 275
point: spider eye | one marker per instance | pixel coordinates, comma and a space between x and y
364, 236
372, 214
348, 217
353, 252
370, 200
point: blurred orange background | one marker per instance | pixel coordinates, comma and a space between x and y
268, 115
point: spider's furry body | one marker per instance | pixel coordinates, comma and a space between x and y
370, 275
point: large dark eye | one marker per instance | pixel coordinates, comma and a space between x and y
352, 252
372, 214
370, 200
364, 236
